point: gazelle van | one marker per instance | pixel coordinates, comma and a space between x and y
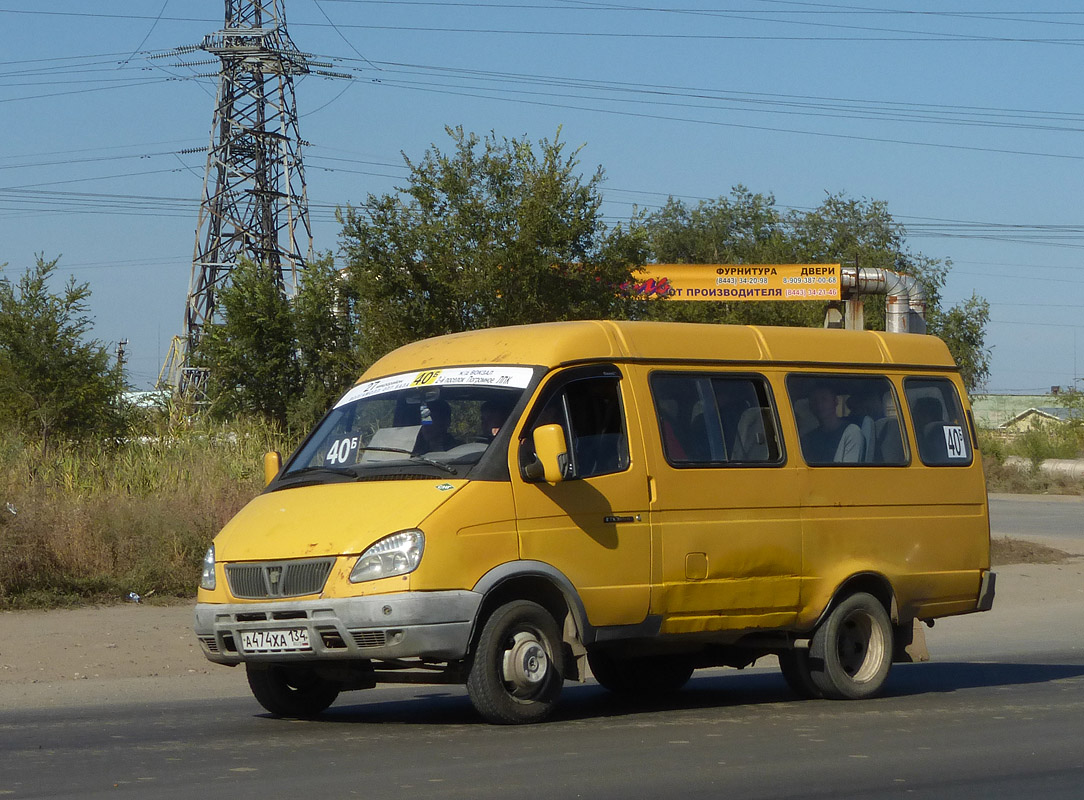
510, 508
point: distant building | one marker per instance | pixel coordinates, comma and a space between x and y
1017, 413
1031, 418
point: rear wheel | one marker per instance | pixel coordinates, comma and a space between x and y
644, 675
851, 652
517, 669
290, 691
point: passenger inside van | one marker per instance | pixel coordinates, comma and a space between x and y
434, 436
929, 416
681, 438
834, 439
864, 408
491, 417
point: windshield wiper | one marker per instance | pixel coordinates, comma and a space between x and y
413, 457
352, 472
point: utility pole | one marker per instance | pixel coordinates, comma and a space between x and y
255, 201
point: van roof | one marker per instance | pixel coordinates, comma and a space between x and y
553, 344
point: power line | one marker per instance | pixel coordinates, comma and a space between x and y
342, 35
149, 82
741, 126
154, 25
905, 36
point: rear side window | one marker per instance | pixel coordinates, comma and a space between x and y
940, 426
715, 420
847, 420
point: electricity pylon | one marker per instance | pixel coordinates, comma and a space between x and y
255, 201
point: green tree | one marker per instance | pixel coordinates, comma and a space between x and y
492, 232
54, 382
251, 354
326, 340
279, 358
963, 329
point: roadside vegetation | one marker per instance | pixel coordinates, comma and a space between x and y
98, 499
1015, 464
94, 521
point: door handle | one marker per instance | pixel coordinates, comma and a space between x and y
612, 520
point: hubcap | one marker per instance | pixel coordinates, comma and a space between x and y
861, 647
525, 663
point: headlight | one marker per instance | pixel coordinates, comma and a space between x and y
397, 554
207, 579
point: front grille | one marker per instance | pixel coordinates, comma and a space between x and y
210, 643
278, 578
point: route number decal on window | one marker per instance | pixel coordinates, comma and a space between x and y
426, 378
341, 450
955, 442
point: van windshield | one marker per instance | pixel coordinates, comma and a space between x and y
430, 422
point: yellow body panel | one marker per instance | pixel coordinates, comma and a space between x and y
565, 525
329, 519
557, 343
466, 537
728, 543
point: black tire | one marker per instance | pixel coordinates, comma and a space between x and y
851, 652
644, 676
290, 691
516, 671
794, 664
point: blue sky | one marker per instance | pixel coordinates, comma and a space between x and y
965, 118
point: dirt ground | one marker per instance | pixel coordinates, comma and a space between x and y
1005, 550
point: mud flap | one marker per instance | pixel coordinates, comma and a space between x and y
909, 643
576, 665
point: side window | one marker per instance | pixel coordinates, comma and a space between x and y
715, 420
847, 419
939, 424
591, 414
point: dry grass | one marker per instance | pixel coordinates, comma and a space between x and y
96, 522
1036, 446
1001, 477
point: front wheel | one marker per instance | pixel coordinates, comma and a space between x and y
517, 669
290, 691
851, 652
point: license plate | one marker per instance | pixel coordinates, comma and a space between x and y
283, 641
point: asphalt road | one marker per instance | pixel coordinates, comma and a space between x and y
999, 713
1039, 517
952, 729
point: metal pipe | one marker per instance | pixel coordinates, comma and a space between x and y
905, 301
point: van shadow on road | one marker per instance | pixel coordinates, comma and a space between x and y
443, 706
910, 679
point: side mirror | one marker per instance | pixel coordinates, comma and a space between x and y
272, 465
551, 451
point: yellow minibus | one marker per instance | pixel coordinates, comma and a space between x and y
513, 508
